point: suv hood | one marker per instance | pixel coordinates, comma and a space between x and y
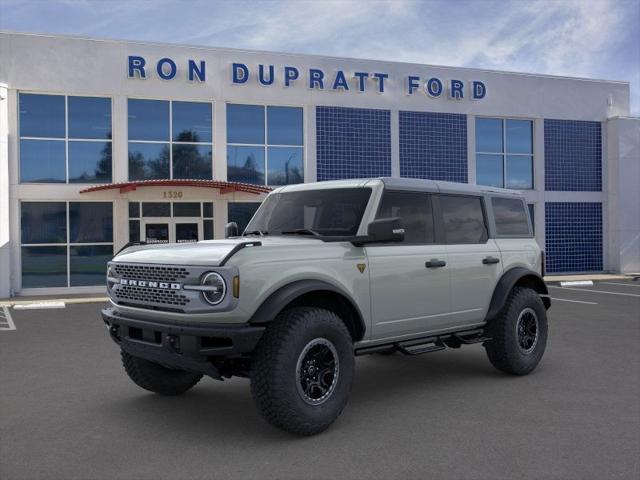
207, 253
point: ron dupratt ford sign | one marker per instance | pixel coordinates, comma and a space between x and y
314, 78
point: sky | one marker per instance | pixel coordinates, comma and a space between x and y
579, 38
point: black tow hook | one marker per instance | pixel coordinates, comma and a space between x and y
174, 343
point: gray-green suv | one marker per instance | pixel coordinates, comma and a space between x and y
326, 272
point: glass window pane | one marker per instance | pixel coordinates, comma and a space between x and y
134, 210
191, 121
463, 219
414, 210
148, 161
245, 164
519, 136
90, 222
245, 124
41, 115
241, 213
148, 120
284, 126
89, 162
156, 209
89, 117
191, 209
207, 209
489, 170
186, 232
134, 230
520, 172
532, 215
489, 135
43, 222
88, 264
192, 161
44, 267
207, 234
510, 216
42, 161
285, 165
156, 232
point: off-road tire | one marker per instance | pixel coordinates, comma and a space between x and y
503, 349
156, 378
274, 376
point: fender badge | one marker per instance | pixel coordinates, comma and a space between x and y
361, 267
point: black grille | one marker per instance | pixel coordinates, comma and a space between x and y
162, 296
151, 272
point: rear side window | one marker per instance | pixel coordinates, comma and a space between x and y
463, 219
510, 217
415, 212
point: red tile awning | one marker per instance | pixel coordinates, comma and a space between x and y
224, 187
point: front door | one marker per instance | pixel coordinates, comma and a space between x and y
171, 230
156, 231
187, 230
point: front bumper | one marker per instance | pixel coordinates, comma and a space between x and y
185, 347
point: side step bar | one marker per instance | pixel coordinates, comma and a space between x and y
418, 346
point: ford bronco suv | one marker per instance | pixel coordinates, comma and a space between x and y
326, 272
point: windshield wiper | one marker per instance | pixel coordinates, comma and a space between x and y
262, 233
301, 231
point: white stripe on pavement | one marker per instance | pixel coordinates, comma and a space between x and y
572, 301
6, 324
596, 291
623, 284
39, 305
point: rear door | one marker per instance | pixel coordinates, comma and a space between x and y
474, 259
409, 280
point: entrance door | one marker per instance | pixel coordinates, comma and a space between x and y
172, 230
156, 231
187, 230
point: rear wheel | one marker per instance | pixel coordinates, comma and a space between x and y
519, 333
156, 378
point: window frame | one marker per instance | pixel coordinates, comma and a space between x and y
66, 139
489, 228
504, 154
266, 145
436, 218
170, 142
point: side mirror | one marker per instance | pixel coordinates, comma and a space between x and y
231, 230
385, 230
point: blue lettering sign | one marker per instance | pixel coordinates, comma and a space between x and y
290, 74
316, 77
196, 71
380, 77
479, 90
340, 81
455, 90
362, 78
136, 64
433, 87
240, 73
412, 84
161, 70
262, 79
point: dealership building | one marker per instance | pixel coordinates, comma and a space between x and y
106, 142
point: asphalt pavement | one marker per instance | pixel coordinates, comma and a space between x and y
68, 411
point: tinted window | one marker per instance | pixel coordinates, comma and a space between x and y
90, 222
207, 210
519, 172
245, 124
88, 264
284, 126
285, 165
414, 210
134, 210
44, 267
42, 116
245, 164
44, 222
192, 161
241, 213
532, 215
489, 135
510, 216
463, 219
156, 209
89, 117
207, 226
89, 162
148, 120
489, 170
148, 161
191, 122
42, 161
519, 136
134, 230
186, 209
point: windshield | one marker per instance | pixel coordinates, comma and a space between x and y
330, 212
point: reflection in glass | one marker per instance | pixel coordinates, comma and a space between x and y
42, 161
156, 233
489, 135
285, 165
192, 161
186, 209
191, 121
241, 213
284, 125
134, 210
134, 230
156, 209
41, 115
148, 161
89, 162
415, 212
207, 209
44, 267
489, 170
90, 222
463, 219
89, 117
186, 232
148, 120
519, 172
245, 124
245, 164
519, 136
207, 233
43, 222
510, 216
88, 264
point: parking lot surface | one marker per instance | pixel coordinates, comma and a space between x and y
68, 411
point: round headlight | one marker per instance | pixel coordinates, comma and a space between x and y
215, 288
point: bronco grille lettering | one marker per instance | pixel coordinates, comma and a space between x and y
149, 284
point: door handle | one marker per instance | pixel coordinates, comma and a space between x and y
490, 260
435, 263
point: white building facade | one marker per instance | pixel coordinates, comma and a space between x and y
104, 142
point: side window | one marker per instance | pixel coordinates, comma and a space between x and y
510, 216
414, 209
463, 219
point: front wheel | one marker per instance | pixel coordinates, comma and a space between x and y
303, 370
519, 333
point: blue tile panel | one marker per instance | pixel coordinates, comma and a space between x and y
573, 237
352, 143
572, 156
433, 146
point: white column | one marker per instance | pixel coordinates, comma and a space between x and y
471, 149
395, 143
5, 243
310, 158
538, 180
220, 142
120, 155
